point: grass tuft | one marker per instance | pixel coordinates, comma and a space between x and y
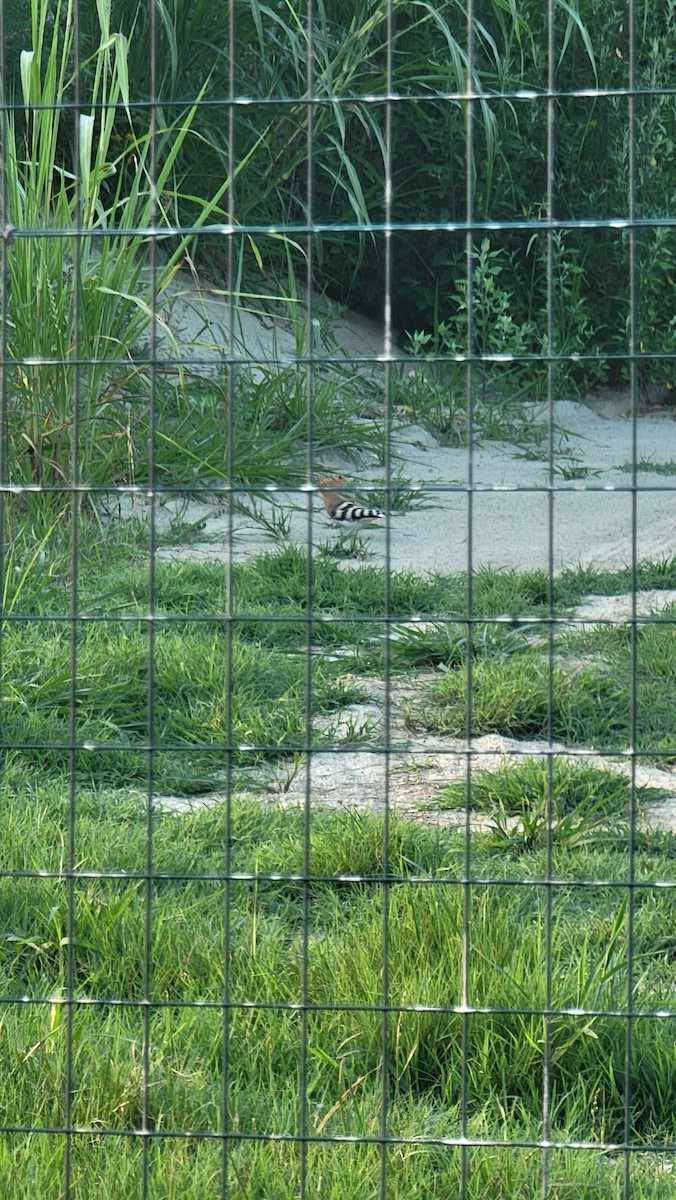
531, 782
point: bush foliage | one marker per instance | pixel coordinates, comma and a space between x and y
427, 144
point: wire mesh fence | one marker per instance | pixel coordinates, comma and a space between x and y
337, 656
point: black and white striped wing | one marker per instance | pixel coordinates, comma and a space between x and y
347, 511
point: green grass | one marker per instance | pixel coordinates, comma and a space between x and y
250, 426
434, 395
254, 667
532, 802
573, 584
594, 695
202, 435
655, 468
197, 679
433, 643
204, 665
344, 967
517, 788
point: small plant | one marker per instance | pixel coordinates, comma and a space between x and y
433, 643
436, 394
433, 394
428, 644
531, 800
534, 443
533, 828
574, 330
575, 469
275, 521
495, 331
180, 532
656, 468
352, 729
348, 544
287, 772
533, 453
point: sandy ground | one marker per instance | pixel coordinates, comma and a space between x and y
518, 519
521, 515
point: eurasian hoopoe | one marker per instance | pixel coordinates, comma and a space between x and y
340, 509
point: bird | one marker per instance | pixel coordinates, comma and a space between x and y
340, 509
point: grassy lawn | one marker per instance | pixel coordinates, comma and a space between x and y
199, 660
257, 924
223, 662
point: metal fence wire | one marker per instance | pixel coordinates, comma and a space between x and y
336, 856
